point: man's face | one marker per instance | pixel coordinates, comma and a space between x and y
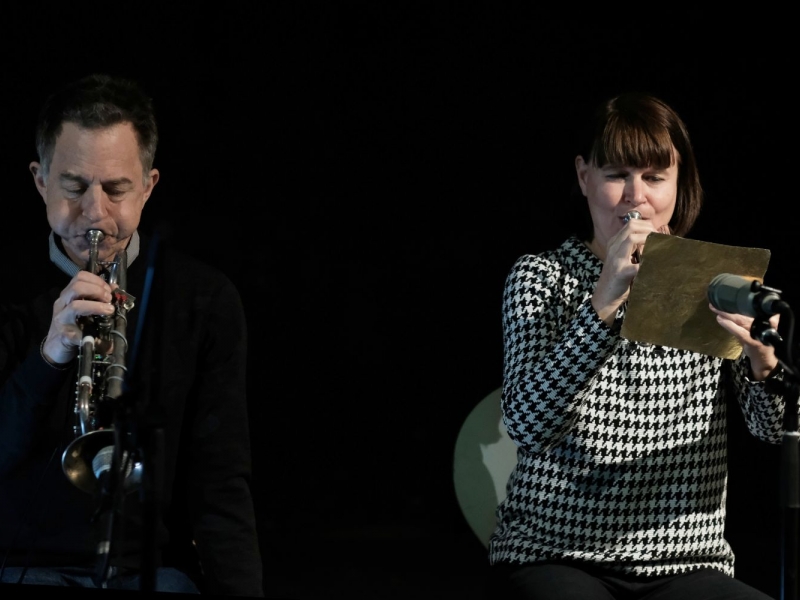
95, 182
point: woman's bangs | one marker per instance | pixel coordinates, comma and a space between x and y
625, 144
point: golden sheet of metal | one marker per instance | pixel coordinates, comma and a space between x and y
668, 303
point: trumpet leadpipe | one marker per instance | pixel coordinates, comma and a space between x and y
94, 236
633, 214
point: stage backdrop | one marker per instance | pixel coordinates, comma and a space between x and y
367, 173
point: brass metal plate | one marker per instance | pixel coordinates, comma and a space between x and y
668, 302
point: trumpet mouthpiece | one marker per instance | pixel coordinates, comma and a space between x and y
634, 214
95, 236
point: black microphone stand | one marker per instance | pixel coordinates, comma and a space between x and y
139, 435
146, 416
150, 446
114, 484
763, 331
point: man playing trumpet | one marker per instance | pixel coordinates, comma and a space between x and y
190, 525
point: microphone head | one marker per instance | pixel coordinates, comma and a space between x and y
732, 294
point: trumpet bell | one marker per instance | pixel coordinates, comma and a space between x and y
89, 458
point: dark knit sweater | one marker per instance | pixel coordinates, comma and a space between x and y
622, 446
192, 386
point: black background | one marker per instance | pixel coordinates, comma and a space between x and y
367, 173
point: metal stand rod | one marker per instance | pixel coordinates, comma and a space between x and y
790, 498
790, 450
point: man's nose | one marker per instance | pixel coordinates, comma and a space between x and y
94, 203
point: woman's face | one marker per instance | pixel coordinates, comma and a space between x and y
614, 190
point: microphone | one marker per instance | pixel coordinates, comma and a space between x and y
740, 295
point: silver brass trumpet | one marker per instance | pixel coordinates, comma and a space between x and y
633, 214
101, 374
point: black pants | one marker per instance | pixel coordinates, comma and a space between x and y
558, 581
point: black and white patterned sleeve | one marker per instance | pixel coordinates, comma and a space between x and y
554, 342
762, 409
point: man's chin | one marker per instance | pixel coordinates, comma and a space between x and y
79, 257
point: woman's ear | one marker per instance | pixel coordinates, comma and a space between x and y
582, 170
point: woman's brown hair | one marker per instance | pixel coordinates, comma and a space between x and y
639, 130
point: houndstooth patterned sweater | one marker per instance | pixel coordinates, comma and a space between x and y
621, 457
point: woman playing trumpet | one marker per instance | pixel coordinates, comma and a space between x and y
620, 486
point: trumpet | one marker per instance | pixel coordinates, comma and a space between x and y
100, 382
633, 214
